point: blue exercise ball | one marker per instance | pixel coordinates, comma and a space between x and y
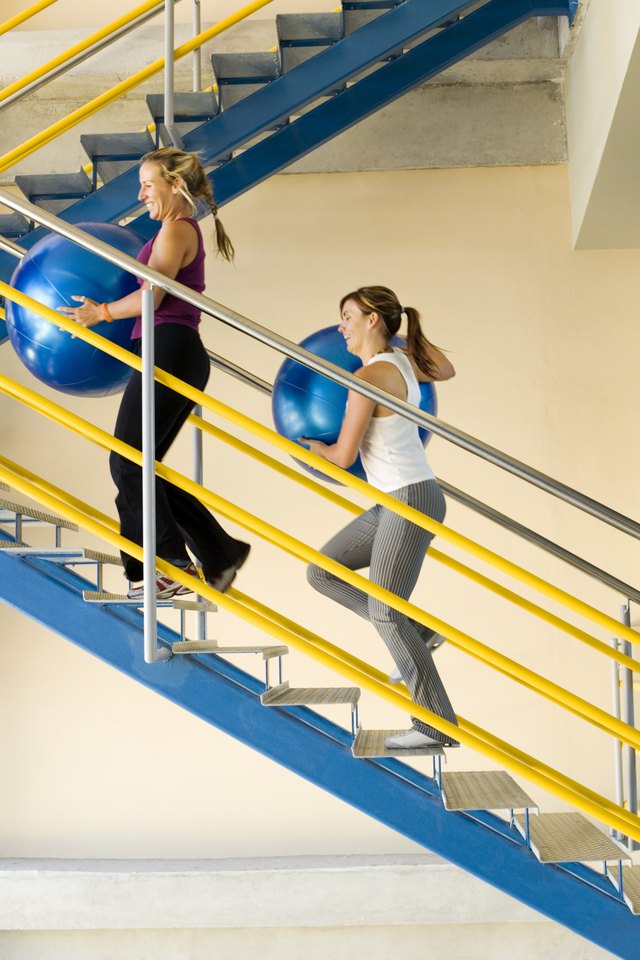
306, 404
52, 272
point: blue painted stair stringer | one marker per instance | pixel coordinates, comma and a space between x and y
318, 750
368, 95
287, 94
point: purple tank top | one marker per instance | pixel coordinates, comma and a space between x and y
172, 309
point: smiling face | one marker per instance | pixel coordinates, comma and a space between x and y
354, 326
162, 200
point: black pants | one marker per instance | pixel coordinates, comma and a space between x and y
181, 520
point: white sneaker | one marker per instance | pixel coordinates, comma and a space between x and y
411, 740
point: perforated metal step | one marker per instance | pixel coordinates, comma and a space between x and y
631, 887
370, 743
24, 510
285, 696
105, 598
201, 605
569, 837
60, 554
212, 646
484, 790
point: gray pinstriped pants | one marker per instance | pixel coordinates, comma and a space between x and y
393, 548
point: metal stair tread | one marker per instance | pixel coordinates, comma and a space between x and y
285, 696
202, 605
631, 887
186, 106
483, 790
117, 145
321, 27
105, 598
60, 554
568, 838
212, 646
370, 743
13, 226
64, 185
259, 67
26, 511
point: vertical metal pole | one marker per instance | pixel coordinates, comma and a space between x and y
197, 59
198, 475
169, 44
151, 653
628, 715
197, 449
617, 745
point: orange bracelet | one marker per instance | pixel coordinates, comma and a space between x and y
104, 310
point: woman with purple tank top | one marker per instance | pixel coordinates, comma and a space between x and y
171, 181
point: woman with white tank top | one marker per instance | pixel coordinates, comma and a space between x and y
394, 460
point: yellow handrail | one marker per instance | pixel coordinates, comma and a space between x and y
510, 668
360, 486
79, 47
50, 133
434, 554
25, 15
531, 769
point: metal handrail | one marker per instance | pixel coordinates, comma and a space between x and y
356, 671
483, 509
25, 15
326, 368
477, 506
529, 678
115, 93
79, 52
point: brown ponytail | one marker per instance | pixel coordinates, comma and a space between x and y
177, 165
383, 301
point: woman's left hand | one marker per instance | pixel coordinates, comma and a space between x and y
88, 315
315, 446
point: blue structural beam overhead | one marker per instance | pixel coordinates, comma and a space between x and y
312, 747
371, 93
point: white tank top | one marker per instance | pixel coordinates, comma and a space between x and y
391, 450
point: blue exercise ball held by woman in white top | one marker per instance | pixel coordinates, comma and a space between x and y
394, 460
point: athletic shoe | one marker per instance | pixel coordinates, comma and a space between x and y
413, 740
222, 581
166, 587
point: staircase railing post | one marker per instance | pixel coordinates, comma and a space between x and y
198, 476
628, 715
197, 54
169, 83
151, 652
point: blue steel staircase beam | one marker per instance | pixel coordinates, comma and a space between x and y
281, 98
258, 113
373, 92
230, 701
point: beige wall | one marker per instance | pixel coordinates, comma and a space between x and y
545, 342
